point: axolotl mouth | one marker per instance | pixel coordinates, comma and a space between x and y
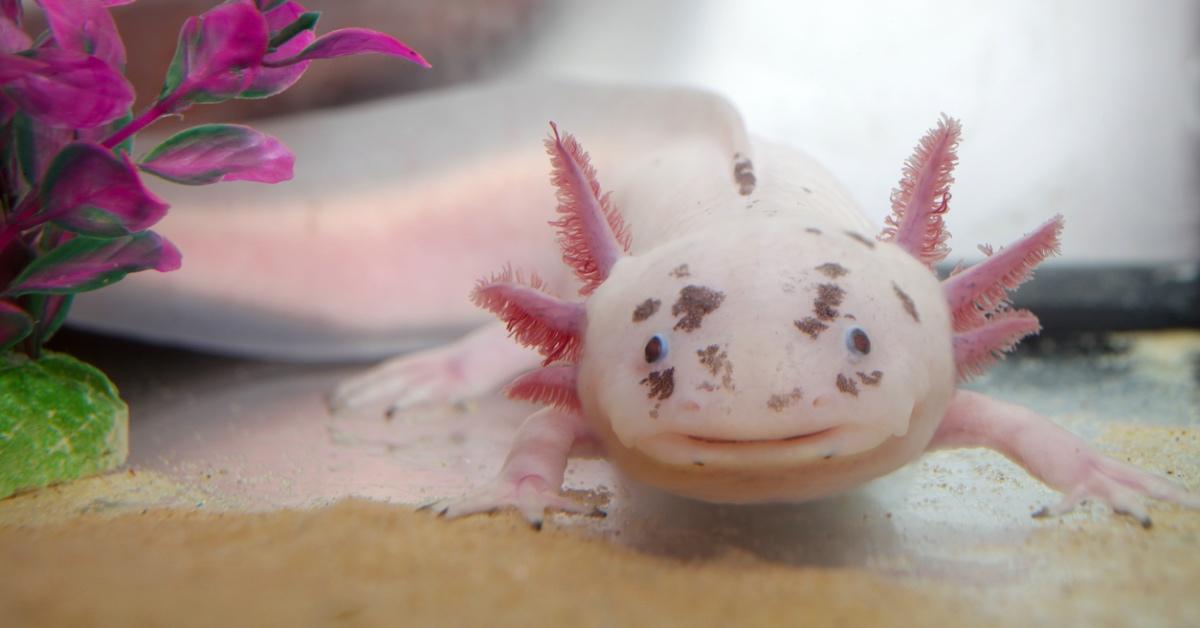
682, 449
845, 439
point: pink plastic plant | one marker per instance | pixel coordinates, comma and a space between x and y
75, 214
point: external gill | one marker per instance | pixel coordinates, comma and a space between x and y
985, 325
593, 236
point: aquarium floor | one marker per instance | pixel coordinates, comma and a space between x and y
246, 503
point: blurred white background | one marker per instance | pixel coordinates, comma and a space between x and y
1088, 108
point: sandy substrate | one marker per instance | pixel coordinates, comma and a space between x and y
89, 554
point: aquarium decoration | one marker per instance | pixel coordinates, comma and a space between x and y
75, 213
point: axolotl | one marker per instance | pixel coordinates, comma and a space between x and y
742, 334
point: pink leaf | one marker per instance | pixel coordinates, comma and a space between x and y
12, 38
85, 26
353, 41
217, 54
7, 109
220, 152
83, 263
65, 88
89, 190
15, 325
269, 80
13, 10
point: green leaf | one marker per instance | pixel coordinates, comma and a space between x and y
60, 419
15, 325
306, 22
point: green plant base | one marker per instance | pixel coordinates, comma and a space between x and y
60, 419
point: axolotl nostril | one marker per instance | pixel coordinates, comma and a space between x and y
743, 334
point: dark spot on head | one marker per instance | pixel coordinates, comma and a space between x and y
850, 317
717, 362
743, 174
847, 385
661, 384
858, 237
907, 301
780, 402
695, 302
829, 296
681, 271
645, 310
811, 326
806, 189
832, 270
698, 463
813, 230
872, 379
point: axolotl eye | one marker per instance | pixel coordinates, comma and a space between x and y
656, 348
857, 341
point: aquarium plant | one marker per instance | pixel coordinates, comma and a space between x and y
74, 212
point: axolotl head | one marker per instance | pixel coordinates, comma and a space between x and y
748, 361
766, 359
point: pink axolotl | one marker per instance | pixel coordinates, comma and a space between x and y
744, 335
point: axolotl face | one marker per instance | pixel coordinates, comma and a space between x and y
766, 361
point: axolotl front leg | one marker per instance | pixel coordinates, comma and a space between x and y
1055, 456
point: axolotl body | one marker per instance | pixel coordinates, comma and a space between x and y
742, 334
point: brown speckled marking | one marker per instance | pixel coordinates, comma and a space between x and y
811, 326
743, 174
829, 296
871, 379
813, 230
860, 238
645, 310
717, 364
847, 385
695, 302
681, 271
779, 403
907, 301
661, 383
832, 270
706, 386
654, 410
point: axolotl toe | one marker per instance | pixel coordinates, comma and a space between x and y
742, 334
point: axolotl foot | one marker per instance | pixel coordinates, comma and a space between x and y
1057, 457
474, 365
531, 476
531, 496
1120, 486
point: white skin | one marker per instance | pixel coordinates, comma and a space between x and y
762, 346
